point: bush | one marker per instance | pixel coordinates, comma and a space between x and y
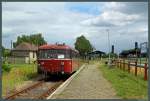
106, 62
6, 68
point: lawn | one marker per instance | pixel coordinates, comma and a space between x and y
18, 74
127, 86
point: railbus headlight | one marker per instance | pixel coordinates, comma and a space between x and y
62, 72
62, 63
42, 63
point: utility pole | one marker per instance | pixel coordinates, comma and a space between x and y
108, 46
136, 49
11, 44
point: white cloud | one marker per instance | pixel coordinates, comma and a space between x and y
111, 18
126, 21
7, 30
113, 6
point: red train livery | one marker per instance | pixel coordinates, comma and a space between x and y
57, 59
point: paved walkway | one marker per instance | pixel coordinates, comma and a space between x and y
88, 84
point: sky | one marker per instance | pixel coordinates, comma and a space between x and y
127, 22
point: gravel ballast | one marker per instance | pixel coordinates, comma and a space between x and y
88, 84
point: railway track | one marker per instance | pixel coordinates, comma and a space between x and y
39, 90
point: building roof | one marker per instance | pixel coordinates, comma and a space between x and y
24, 46
130, 51
57, 46
97, 52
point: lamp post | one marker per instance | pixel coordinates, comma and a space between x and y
108, 46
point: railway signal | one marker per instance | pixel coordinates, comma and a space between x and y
112, 49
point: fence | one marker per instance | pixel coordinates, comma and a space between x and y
133, 67
16, 60
19, 60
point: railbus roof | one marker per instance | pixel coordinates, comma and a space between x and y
56, 46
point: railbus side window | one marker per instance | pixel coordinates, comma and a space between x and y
40, 54
70, 53
67, 54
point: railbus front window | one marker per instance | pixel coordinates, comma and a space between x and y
54, 54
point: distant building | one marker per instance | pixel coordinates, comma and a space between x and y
25, 50
95, 54
130, 53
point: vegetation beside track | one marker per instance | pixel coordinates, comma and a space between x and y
126, 85
18, 74
6, 67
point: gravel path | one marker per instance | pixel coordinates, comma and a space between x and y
88, 84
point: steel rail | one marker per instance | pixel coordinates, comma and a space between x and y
49, 91
24, 90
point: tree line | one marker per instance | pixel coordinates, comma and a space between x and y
82, 44
35, 39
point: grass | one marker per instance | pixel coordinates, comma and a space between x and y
18, 74
127, 86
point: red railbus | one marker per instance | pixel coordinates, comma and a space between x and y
57, 59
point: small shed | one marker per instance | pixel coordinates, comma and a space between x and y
25, 51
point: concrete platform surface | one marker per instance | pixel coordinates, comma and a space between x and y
88, 84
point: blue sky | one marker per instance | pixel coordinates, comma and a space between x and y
64, 21
89, 8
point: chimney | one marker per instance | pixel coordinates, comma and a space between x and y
136, 45
112, 49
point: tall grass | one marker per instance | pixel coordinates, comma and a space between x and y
126, 85
18, 74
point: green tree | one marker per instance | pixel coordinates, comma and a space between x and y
5, 52
83, 45
35, 39
112, 55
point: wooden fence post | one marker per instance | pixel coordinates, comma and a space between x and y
116, 63
129, 66
145, 71
120, 64
124, 65
136, 68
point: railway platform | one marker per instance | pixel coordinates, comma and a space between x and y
87, 84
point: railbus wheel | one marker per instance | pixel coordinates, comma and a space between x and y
39, 70
45, 75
